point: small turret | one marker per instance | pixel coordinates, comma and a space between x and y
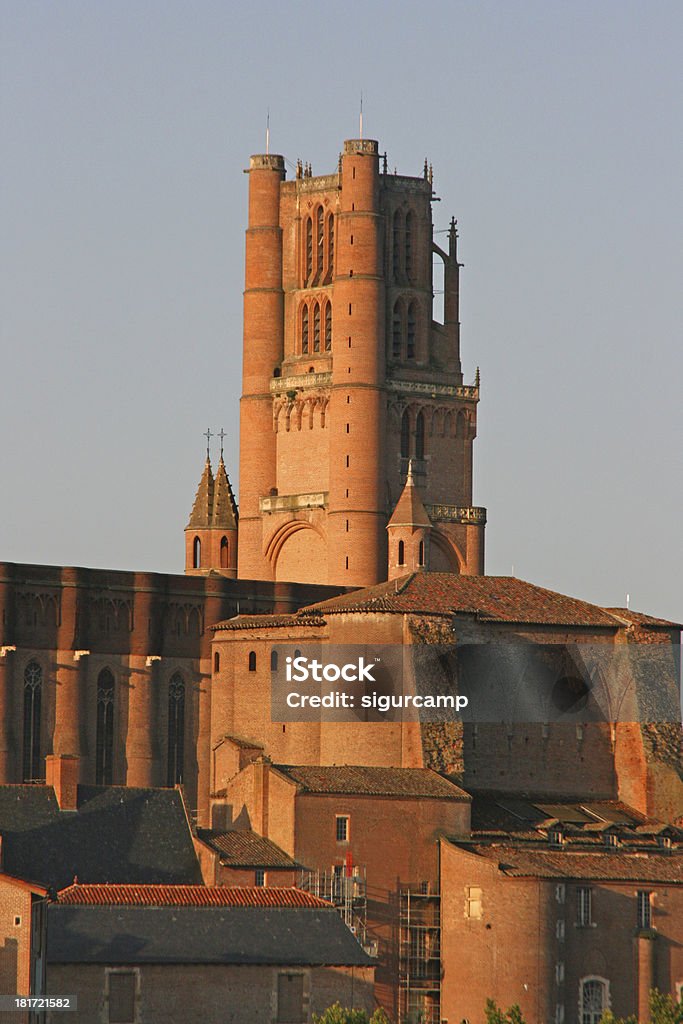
211, 534
408, 529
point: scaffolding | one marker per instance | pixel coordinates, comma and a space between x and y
347, 891
419, 960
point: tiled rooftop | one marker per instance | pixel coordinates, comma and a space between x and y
524, 861
370, 781
240, 848
489, 598
187, 896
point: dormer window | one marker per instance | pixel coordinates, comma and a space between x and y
556, 836
611, 840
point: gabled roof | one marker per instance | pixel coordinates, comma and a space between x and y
365, 780
297, 620
119, 834
289, 936
489, 598
241, 848
187, 896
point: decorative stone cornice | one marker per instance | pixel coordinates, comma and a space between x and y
300, 382
421, 387
293, 502
456, 514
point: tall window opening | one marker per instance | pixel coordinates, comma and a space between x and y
411, 332
309, 248
104, 741
33, 686
409, 246
396, 333
396, 245
316, 328
225, 552
304, 330
644, 909
405, 435
176, 729
319, 240
401, 553
421, 553
252, 661
593, 1000
330, 246
196, 553
420, 436
328, 327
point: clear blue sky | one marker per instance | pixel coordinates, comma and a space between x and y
554, 129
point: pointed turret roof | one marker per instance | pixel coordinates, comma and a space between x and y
225, 513
409, 509
200, 517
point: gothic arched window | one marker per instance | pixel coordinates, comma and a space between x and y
316, 327
405, 435
273, 661
397, 331
330, 245
411, 331
409, 245
309, 247
420, 436
225, 553
196, 553
319, 239
33, 686
304, 330
252, 661
401, 553
104, 741
328, 327
176, 730
396, 245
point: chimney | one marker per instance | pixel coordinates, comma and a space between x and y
61, 772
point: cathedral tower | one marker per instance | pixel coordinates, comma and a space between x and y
347, 376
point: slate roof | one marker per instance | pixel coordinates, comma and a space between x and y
523, 861
187, 896
362, 780
288, 936
241, 848
119, 834
489, 598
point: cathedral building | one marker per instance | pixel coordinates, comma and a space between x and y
439, 841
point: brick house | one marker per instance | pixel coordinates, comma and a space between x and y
190, 954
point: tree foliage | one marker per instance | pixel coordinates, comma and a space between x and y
339, 1014
664, 1009
495, 1015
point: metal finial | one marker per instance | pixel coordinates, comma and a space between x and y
477, 379
208, 435
222, 435
426, 170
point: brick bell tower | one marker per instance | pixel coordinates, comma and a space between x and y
347, 377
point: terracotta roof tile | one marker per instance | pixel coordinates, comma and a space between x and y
270, 621
489, 598
521, 861
245, 849
187, 896
365, 780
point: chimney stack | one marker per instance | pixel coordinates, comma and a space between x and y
61, 772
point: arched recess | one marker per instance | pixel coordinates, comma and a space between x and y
443, 554
296, 551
